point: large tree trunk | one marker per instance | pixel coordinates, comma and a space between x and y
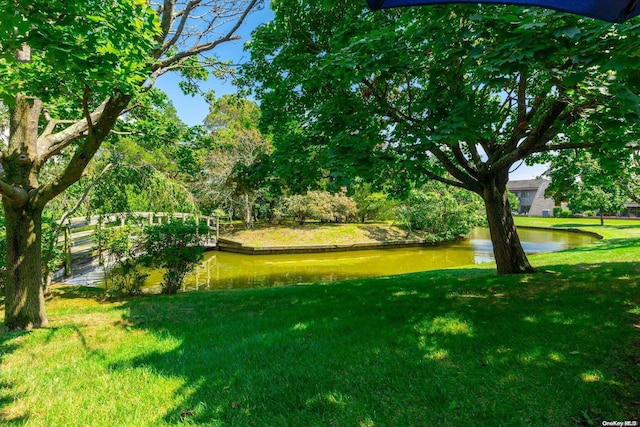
507, 249
24, 301
25, 307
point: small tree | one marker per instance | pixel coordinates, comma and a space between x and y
371, 204
125, 277
590, 180
175, 247
344, 208
298, 208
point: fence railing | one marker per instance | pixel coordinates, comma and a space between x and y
78, 231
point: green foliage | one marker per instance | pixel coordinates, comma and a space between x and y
321, 206
603, 200
233, 158
444, 212
102, 46
119, 243
342, 87
514, 202
297, 207
371, 205
175, 247
591, 180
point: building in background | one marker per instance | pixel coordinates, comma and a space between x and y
530, 193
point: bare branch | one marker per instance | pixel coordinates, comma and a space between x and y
174, 22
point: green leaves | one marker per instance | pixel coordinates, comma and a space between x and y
352, 86
100, 45
174, 246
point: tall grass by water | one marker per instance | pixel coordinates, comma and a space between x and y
449, 347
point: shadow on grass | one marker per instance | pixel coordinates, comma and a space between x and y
443, 347
9, 342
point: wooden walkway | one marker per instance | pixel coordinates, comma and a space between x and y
82, 266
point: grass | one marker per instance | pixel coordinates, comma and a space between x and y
449, 347
320, 234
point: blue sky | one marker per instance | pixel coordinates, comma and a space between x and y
193, 109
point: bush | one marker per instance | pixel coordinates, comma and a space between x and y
343, 208
175, 247
443, 212
125, 276
560, 212
322, 206
298, 208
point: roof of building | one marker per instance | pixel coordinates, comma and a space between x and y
525, 184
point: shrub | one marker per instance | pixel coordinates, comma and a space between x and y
443, 212
320, 205
298, 208
175, 247
124, 276
344, 209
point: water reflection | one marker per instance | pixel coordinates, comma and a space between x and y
224, 270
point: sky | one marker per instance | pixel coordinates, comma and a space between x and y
193, 109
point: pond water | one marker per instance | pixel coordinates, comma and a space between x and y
224, 270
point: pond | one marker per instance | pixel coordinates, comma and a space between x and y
224, 270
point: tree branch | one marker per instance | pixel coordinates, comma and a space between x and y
198, 48
463, 161
450, 166
15, 194
436, 177
111, 110
51, 144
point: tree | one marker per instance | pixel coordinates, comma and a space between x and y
235, 146
589, 180
68, 71
457, 95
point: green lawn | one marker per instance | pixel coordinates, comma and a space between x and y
447, 348
292, 234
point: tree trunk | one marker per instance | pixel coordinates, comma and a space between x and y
507, 249
601, 215
248, 212
25, 307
